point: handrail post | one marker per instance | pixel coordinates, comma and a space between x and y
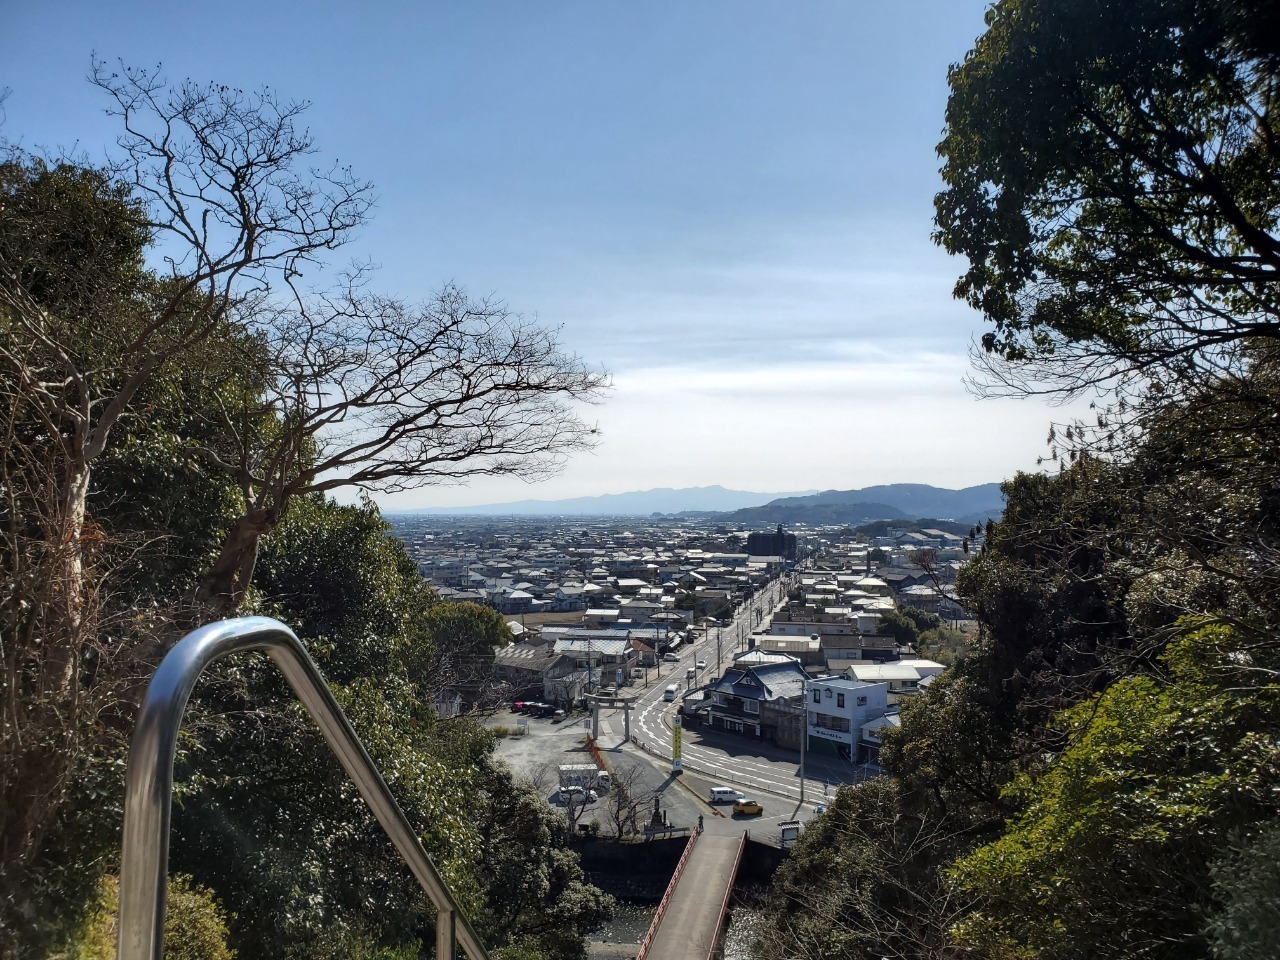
144, 857
446, 941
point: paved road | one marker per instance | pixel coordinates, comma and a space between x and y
767, 772
751, 765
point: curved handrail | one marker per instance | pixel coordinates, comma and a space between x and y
144, 858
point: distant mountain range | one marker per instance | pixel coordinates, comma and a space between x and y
715, 499
894, 501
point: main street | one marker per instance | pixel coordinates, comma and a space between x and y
751, 765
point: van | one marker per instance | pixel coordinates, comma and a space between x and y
726, 795
671, 691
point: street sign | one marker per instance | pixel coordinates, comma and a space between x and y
677, 731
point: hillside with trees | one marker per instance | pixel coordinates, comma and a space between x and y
178, 409
1098, 776
893, 501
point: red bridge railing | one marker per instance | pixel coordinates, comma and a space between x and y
666, 897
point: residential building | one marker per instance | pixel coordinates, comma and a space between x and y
837, 709
739, 702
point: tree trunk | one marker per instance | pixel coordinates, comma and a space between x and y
67, 542
223, 588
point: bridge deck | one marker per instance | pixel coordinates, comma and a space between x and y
693, 918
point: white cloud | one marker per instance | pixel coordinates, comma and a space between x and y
861, 417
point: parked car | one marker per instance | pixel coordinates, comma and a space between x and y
702, 664
575, 794
670, 658
747, 808
558, 716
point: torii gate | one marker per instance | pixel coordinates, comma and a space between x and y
616, 703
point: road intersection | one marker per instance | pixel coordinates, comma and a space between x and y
751, 765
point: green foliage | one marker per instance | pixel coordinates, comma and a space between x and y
923, 620
1111, 176
1048, 589
900, 626
943, 644
339, 580
195, 926
953, 745
1131, 814
537, 901
464, 637
862, 882
268, 819
1247, 884
73, 238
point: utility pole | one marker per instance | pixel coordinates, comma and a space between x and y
804, 730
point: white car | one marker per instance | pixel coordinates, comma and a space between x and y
670, 658
702, 664
573, 794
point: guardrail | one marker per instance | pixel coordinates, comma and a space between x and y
148, 800
666, 897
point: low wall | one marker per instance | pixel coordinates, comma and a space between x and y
635, 872
759, 862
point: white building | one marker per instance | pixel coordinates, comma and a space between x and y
838, 707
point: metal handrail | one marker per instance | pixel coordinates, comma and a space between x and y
144, 860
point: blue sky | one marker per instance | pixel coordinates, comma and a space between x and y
727, 204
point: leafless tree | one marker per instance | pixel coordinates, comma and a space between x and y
216, 177
362, 390
215, 182
51, 721
626, 802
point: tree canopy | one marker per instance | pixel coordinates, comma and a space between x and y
1111, 176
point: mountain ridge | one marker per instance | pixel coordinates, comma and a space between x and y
894, 501
673, 500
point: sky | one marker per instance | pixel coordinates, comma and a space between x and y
726, 204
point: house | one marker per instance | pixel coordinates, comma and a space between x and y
872, 735
526, 667
639, 611
808, 650
517, 601
837, 709
598, 648
739, 701
902, 676
921, 597
600, 617
926, 668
